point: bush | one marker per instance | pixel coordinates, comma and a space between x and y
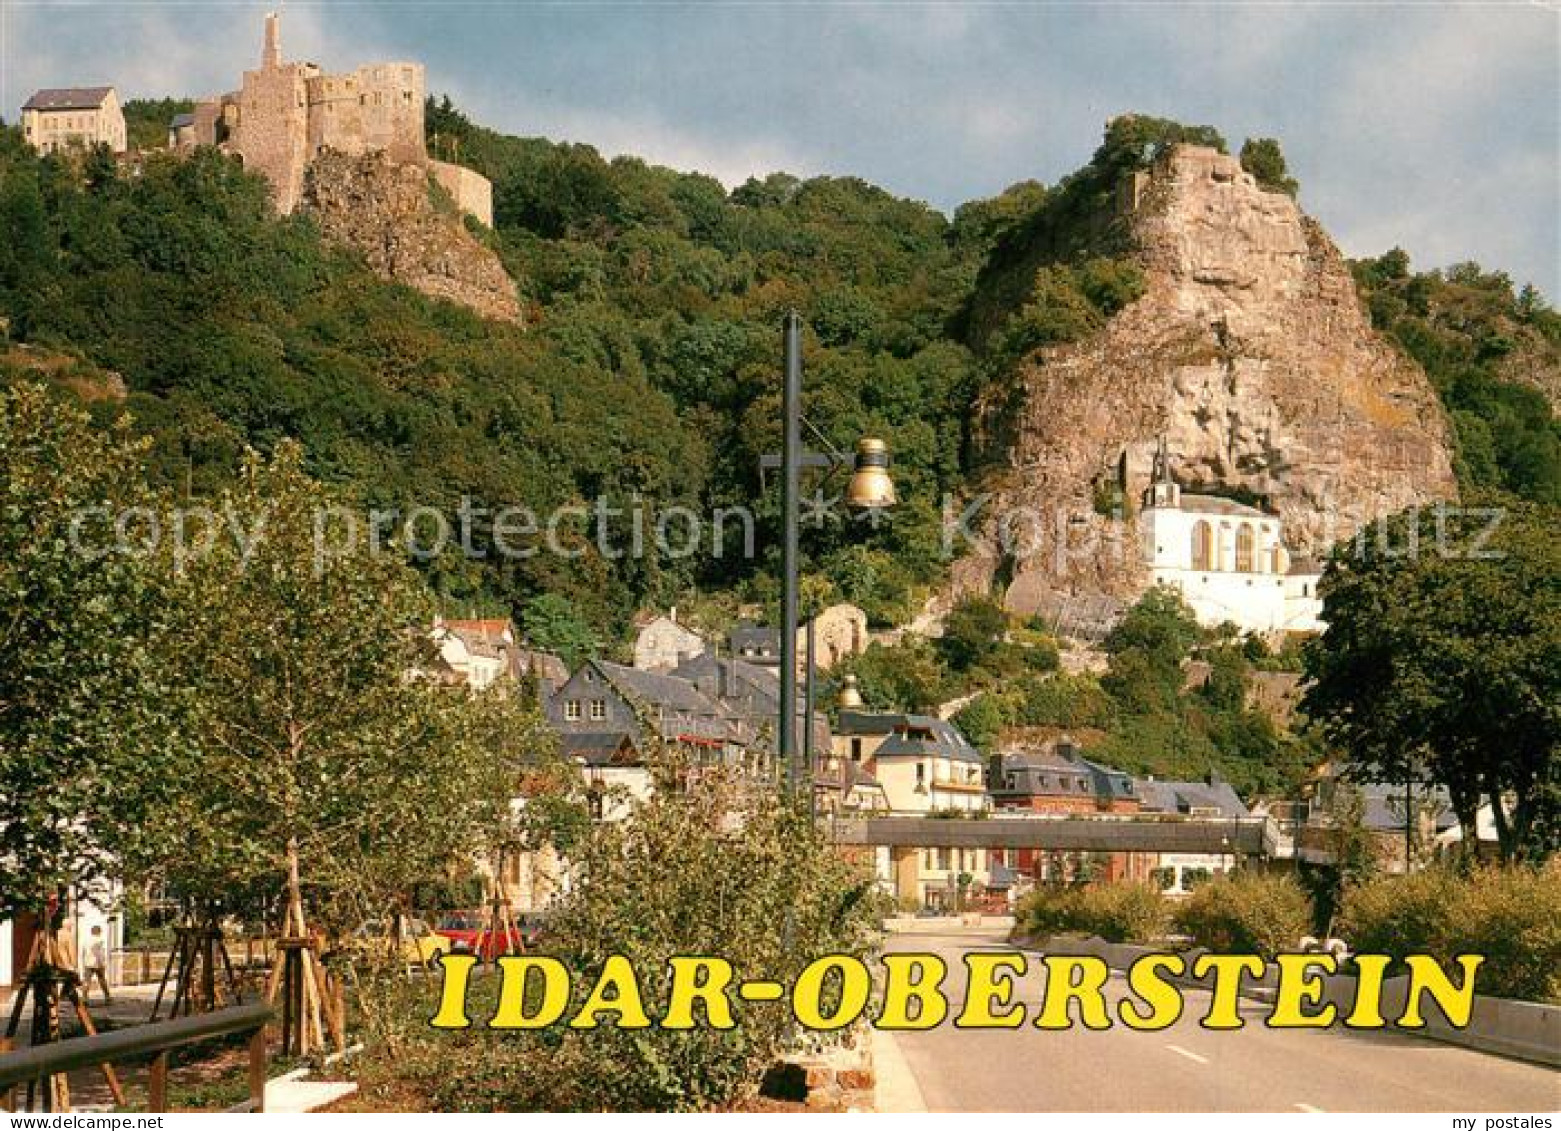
1510, 915
1246, 913
706, 866
1118, 913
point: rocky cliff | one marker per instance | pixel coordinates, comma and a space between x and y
385, 212
1248, 351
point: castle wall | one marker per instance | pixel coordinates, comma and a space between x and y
472, 192
374, 108
272, 129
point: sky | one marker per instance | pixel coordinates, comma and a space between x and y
1434, 128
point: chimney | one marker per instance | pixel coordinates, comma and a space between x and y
271, 57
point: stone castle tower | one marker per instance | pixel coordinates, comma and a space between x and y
287, 113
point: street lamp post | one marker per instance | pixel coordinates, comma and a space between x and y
791, 479
870, 488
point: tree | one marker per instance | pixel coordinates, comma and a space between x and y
328, 766
972, 631
86, 741
1262, 157
550, 622
1443, 659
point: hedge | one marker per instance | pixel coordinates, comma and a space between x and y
1246, 913
1511, 915
1119, 913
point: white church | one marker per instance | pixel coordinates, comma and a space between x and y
1228, 560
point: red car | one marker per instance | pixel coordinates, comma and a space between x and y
469, 934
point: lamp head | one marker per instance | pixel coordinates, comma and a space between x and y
870, 487
850, 694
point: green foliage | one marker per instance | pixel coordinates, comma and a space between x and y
146, 120
85, 730
1246, 912
1441, 659
1482, 341
1511, 915
907, 676
972, 631
706, 867
320, 763
551, 622
1067, 303
1117, 912
1262, 157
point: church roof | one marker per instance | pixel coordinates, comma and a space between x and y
1216, 504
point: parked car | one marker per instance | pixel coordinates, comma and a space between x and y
463, 930
420, 945
469, 933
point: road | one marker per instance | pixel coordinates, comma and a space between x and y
1188, 1068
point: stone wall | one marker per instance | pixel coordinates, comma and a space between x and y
471, 192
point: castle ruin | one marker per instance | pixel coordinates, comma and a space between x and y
288, 113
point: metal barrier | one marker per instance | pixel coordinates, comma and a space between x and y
42, 1061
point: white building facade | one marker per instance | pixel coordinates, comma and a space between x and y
1227, 560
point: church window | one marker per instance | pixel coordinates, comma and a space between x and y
1246, 561
1202, 545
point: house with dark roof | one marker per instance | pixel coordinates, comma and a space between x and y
603, 698
59, 118
923, 765
1055, 777
755, 644
1211, 799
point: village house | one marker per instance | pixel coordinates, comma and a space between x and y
1052, 777
1226, 559
481, 652
925, 767
1211, 799
663, 643
79, 116
838, 631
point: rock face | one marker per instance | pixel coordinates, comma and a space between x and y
383, 211
1249, 353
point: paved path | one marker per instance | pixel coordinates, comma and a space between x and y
1188, 1068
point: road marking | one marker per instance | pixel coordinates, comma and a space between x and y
1310, 1108
1179, 1051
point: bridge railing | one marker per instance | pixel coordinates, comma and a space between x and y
157, 1040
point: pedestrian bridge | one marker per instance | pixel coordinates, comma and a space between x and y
1246, 836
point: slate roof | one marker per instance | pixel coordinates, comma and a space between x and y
1185, 796
179, 121
68, 98
756, 638
1051, 771
658, 690
596, 747
910, 735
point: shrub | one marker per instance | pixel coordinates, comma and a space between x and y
1510, 915
1118, 913
1246, 913
706, 866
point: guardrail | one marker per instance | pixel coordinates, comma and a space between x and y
42, 1061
